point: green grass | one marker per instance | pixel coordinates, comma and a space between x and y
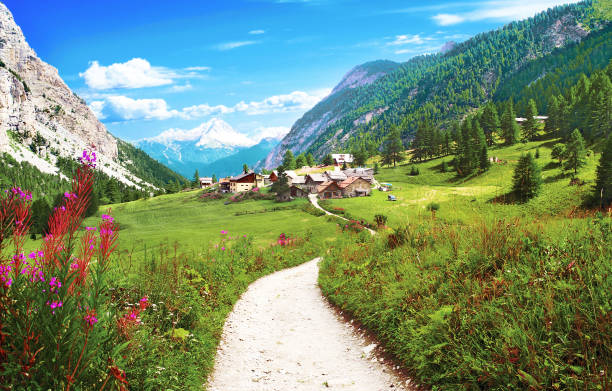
184, 219
465, 200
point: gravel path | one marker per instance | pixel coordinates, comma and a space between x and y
282, 335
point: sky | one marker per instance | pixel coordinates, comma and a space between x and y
148, 66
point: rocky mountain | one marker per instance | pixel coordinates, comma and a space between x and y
330, 109
41, 119
212, 147
445, 86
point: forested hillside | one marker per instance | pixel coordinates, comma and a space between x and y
445, 86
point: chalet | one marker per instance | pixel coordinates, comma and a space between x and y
314, 180
341, 158
361, 172
291, 175
224, 185
329, 189
298, 181
274, 176
245, 182
206, 182
355, 187
335, 176
297, 192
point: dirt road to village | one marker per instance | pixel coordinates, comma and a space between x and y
282, 335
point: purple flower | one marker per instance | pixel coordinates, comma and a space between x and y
223, 232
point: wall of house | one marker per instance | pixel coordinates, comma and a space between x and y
237, 187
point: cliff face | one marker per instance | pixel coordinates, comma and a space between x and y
40, 117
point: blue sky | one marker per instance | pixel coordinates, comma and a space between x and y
149, 66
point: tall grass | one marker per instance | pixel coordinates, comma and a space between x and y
502, 305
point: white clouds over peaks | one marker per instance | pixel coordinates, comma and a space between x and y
502, 10
116, 108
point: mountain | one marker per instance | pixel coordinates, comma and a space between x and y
442, 87
330, 109
212, 147
43, 122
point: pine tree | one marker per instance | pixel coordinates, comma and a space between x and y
300, 161
289, 161
360, 155
527, 178
214, 178
509, 127
196, 179
282, 184
558, 152
376, 168
530, 126
40, 216
112, 191
328, 160
490, 122
393, 151
310, 160
576, 152
484, 162
551, 127
603, 181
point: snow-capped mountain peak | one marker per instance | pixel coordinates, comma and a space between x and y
214, 133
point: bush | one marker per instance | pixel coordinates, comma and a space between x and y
310, 209
380, 219
414, 171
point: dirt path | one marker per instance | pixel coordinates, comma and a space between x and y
315, 203
282, 335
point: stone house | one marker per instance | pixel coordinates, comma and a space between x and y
355, 187
314, 180
328, 190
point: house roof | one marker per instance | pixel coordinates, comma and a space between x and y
317, 177
241, 176
325, 185
290, 173
342, 157
206, 179
335, 175
298, 180
350, 180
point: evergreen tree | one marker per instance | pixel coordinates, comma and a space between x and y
393, 151
576, 152
94, 204
484, 162
490, 122
551, 127
40, 216
112, 191
447, 143
603, 181
289, 161
376, 168
282, 184
196, 179
558, 152
214, 178
509, 127
245, 168
360, 156
310, 160
300, 161
328, 160
530, 126
527, 178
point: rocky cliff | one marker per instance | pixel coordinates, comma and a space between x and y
40, 117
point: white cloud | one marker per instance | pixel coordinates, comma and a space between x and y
502, 10
447, 19
409, 39
135, 73
181, 88
115, 108
121, 108
234, 45
198, 68
276, 132
257, 32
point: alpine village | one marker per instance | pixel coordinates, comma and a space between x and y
189, 203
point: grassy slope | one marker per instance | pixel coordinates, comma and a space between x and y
464, 200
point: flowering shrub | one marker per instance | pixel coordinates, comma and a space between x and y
55, 322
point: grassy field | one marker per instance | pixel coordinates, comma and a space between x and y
465, 200
193, 224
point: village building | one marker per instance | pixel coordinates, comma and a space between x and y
341, 158
314, 180
224, 185
361, 172
298, 181
291, 175
335, 176
246, 182
355, 187
274, 176
328, 190
266, 179
205, 182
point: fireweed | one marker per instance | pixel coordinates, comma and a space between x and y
57, 328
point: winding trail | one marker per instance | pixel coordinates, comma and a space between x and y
315, 203
282, 335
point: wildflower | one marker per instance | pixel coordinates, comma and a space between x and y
223, 232
90, 228
222, 248
90, 318
107, 218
